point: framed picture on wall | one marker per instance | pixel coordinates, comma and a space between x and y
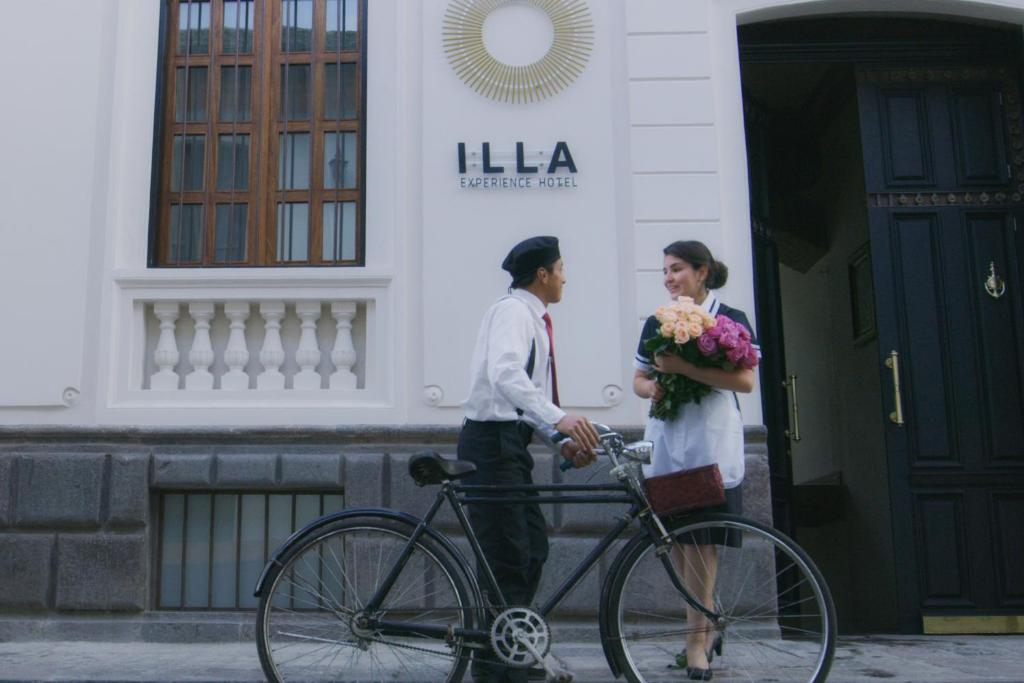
862, 296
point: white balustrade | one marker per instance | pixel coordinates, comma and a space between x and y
344, 353
201, 355
272, 353
308, 353
236, 355
278, 359
166, 355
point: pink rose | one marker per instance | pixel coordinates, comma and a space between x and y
682, 336
729, 340
707, 345
668, 330
736, 355
751, 360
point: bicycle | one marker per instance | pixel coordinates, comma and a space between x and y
381, 595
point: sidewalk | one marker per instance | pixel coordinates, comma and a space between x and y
893, 659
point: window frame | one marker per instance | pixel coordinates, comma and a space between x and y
262, 195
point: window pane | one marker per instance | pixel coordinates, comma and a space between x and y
185, 245
339, 160
292, 232
296, 90
225, 543
172, 536
194, 27
237, 26
339, 91
342, 23
190, 94
251, 551
236, 93
296, 25
231, 232
233, 162
293, 161
197, 550
339, 231
188, 162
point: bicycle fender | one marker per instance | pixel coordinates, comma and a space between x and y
393, 515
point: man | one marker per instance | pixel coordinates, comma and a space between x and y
513, 393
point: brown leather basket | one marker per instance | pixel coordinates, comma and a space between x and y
685, 490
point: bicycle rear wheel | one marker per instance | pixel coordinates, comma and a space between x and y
307, 628
777, 620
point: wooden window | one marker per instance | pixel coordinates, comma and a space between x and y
261, 145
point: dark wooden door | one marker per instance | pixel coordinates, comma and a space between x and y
944, 170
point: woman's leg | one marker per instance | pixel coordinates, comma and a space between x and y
699, 564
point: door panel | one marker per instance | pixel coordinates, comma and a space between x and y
944, 211
978, 139
906, 139
1008, 520
942, 544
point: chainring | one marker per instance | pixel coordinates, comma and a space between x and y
514, 626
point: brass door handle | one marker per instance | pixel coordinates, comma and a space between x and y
994, 285
794, 432
893, 363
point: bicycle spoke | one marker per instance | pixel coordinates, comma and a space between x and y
769, 633
308, 624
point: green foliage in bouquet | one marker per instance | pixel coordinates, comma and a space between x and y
679, 389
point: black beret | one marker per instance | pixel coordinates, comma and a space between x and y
530, 254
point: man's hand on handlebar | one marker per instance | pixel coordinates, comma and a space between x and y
581, 431
576, 455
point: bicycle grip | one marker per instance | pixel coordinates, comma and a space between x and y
566, 465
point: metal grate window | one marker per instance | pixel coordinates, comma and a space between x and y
213, 546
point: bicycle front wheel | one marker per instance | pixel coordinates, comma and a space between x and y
776, 620
308, 624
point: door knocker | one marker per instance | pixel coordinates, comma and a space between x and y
994, 285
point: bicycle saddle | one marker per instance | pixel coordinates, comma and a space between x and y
430, 468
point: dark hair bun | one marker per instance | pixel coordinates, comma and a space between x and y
718, 273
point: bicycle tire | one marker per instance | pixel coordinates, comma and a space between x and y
304, 623
767, 634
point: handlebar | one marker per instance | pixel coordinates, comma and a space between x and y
613, 445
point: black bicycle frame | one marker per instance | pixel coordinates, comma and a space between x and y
459, 495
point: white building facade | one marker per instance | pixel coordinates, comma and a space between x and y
302, 380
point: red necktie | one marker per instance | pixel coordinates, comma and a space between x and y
551, 355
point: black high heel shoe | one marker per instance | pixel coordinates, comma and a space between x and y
695, 674
716, 649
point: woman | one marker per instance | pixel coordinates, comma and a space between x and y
701, 434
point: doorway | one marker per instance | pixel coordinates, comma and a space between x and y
884, 179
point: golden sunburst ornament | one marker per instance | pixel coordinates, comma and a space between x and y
478, 68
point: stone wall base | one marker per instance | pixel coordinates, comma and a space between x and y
78, 516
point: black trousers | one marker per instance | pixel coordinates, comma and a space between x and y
513, 536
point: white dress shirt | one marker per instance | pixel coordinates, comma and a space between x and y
498, 382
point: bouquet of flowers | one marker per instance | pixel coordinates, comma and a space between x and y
687, 330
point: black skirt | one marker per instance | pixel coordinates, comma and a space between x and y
732, 538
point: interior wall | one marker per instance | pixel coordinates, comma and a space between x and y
859, 435
806, 319
840, 395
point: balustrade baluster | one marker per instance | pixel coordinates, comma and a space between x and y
166, 355
344, 352
272, 353
201, 355
308, 354
236, 355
